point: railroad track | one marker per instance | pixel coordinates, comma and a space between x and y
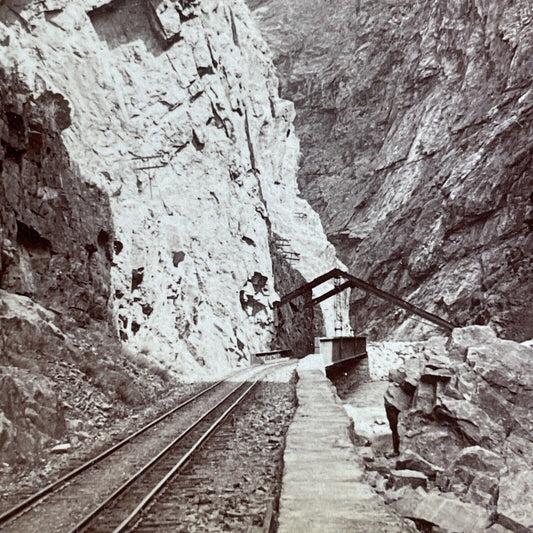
124, 508
102, 494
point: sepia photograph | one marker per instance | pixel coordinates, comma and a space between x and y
266, 266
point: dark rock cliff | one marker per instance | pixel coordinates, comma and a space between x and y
417, 140
296, 325
55, 261
55, 227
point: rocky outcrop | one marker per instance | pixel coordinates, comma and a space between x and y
416, 130
56, 229
462, 417
150, 164
63, 382
30, 414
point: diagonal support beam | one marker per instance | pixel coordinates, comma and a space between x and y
352, 281
328, 294
311, 285
413, 309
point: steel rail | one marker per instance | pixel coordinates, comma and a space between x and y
20, 508
157, 489
87, 519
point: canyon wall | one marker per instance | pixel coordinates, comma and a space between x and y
417, 149
148, 178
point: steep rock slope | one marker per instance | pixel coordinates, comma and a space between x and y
460, 413
417, 141
148, 163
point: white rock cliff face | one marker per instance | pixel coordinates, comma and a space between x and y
175, 116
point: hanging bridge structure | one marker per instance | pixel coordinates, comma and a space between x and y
344, 280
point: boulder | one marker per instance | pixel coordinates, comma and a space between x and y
29, 398
424, 399
431, 440
470, 420
408, 478
515, 511
519, 449
483, 490
410, 460
479, 459
468, 427
407, 500
464, 338
504, 364
475, 472
30, 412
450, 514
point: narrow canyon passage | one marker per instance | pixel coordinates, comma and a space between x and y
414, 120
175, 176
